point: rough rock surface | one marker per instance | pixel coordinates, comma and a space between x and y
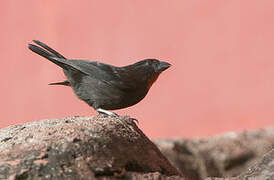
226, 155
109, 148
81, 148
262, 170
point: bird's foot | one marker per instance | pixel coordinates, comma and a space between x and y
107, 113
134, 120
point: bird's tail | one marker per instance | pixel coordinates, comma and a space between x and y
52, 55
49, 54
64, 83
49, 49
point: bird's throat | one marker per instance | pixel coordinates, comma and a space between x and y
152, 80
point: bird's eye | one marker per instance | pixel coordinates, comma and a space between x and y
154, 61
149, 62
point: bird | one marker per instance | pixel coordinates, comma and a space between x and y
102, 86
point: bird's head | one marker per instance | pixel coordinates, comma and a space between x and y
150, 69
154, 65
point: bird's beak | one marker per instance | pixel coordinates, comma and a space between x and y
163, 66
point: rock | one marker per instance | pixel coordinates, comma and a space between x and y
107, 147
263, 170
226, 155
81, 148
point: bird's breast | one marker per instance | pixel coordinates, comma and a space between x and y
151, 80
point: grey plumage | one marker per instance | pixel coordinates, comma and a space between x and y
104, 86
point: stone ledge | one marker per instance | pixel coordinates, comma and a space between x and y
80, 148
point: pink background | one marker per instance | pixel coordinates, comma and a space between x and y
222, 52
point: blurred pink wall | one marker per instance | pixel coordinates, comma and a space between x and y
222, 52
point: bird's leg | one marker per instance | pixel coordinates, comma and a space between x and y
103, 111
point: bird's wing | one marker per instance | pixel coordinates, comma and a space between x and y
105, 73
92, 69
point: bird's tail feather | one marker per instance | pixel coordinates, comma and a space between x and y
52, 57
40, 51
64, 83
49, 49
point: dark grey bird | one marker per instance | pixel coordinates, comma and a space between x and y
103, 86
